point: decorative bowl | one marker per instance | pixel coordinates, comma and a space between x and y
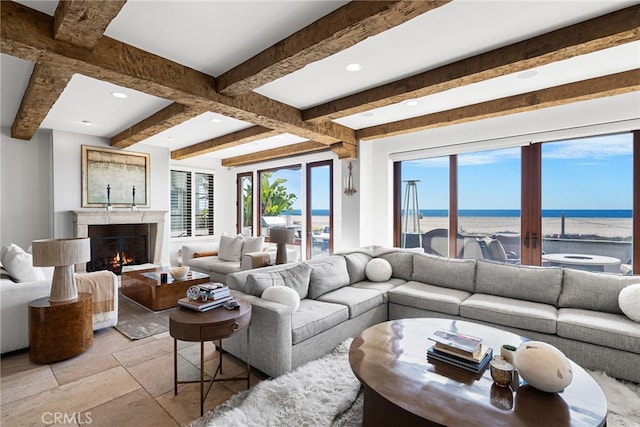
179, 273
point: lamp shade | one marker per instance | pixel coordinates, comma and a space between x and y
281, 235
60, 252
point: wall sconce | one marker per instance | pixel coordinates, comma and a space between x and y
349, 190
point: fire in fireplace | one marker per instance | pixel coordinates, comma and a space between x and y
115, 245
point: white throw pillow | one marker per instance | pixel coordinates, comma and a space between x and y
629, 301
283, 295
252, 244
230, 248
19, 264
378, 270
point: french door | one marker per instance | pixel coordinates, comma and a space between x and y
319, 209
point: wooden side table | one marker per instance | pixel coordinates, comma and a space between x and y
189, 325
60, 330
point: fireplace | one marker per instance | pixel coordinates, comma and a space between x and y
115, 245
118, 243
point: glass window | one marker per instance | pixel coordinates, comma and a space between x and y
180, 204
204, 204
191, 204
425, 205
587, 198
280, 191
245, 204
489, 205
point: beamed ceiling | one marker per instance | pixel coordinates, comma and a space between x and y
251, 81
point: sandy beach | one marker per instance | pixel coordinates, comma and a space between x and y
615, 228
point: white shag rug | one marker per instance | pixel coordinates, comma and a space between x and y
325, 392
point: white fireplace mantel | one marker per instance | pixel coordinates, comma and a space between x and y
83, 219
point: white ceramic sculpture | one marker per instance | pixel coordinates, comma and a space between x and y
543, 366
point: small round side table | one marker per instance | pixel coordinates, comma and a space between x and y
60, 330
190, 325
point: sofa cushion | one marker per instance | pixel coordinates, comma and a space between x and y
428, 297
358, 300
314, 317
629, 302
382, 287
446, 272
252, 244
327, 274
401, 263
283, 295
512, 312
605, 329
356, 265
296, 277
529, 283
230, 247
378, 270
592, 291
214, 263
19, 264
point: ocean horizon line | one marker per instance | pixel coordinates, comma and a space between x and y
507, 213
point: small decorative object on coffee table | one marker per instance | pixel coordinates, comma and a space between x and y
501, 371
543, 366
507, 352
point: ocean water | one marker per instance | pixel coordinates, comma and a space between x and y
546, 213
510, 213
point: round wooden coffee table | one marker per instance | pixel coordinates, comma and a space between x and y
190, 325
402, 388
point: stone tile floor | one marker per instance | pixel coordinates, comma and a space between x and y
117, 382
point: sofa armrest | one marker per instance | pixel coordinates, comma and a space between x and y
270, 338
255, 260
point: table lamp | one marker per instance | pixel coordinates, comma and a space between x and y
281, 236
63, 254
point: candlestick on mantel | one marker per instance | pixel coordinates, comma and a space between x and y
133, 205
109, 207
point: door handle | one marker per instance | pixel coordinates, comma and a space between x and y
526, 240
535, 240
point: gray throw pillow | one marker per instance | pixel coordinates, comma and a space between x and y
327, 274
230, 248
296, 277
356, 265
593, 291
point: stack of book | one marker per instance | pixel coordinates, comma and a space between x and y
216, 295
462, 351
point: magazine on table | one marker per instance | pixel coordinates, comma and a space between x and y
460, 363
467, 344
476, 357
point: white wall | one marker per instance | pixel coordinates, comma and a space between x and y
615, 114
26, 198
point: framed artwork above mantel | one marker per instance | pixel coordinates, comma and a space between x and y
114, 178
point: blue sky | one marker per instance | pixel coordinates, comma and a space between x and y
588, 173
320, 182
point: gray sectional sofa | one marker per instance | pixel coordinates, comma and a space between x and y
576, 311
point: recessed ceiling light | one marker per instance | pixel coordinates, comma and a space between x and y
86, 122
411, 103
367, 114
354, 67
170, 138
216, 120
527, 74
118, 95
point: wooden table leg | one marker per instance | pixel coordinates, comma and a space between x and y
175, 367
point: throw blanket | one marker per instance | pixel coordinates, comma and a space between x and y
100, 285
